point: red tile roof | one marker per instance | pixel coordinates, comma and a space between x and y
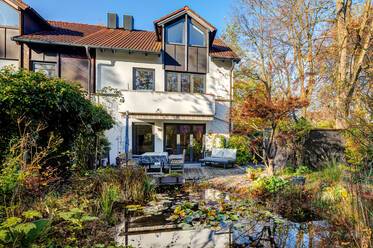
220, 50
96, 36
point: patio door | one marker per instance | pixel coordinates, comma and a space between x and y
143, 138
178, 137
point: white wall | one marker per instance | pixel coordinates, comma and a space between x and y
116, 69
218, 78
7, 62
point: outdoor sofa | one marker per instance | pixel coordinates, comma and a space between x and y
220, 156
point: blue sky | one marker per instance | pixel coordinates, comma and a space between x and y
217, 12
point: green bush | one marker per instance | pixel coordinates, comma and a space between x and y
274, 184
51, 105
271, 185
302, 170
242, 144
23, 232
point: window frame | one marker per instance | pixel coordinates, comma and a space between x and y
134, 69
179, 86
17, 20
45, 63
193, 23
182, 20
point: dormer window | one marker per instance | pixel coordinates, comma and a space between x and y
175, 32
196, 35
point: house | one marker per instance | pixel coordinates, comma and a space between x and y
175, 82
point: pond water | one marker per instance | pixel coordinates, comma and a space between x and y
195, 217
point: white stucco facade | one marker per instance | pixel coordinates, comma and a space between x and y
160, 107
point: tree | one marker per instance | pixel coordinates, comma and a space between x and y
354, 43
282, 40
266, 112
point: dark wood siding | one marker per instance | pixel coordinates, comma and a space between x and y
72, 62
192, 59
202, 60
175, 57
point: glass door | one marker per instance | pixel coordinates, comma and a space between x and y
143, 138
178, 137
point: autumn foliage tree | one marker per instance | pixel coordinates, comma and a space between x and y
260, 110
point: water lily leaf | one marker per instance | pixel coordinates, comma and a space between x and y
234, 217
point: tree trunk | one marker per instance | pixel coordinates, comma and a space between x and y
343, 10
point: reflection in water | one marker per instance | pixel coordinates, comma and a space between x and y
256, 227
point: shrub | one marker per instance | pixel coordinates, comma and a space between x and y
254, 173
242, 144
23, 231
302, 170
272, 184
28, 98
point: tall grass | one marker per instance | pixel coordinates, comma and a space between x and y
109, 195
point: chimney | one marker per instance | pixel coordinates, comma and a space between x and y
128, 22
112, 20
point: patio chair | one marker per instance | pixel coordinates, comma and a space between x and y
226, 157
176, 162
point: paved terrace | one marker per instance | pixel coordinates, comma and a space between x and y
196, 172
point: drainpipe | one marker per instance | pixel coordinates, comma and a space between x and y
231, 96
89, 70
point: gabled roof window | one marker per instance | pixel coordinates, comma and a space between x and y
175, 32
196, 35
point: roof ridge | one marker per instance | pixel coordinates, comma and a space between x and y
78, 23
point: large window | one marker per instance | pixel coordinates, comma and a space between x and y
143, 138
49, 69
185, 82
8, 16
196, 35
143, 79
175, 32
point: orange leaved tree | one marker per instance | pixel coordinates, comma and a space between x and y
261, 110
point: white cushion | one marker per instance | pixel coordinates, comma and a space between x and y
217, 153
230, 153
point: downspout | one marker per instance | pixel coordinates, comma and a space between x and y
89, 70
231, 97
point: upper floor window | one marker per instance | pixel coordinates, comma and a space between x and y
185, 82
49, 69
8, 16
143, 79
175, 32
196, 35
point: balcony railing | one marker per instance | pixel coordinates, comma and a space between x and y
167, 103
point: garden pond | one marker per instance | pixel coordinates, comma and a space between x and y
194, 216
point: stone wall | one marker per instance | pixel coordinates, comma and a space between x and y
322, 146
